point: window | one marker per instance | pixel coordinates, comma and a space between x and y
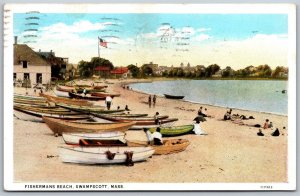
24, 64
26, 76
15, 76
39, 78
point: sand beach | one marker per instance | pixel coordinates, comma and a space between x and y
229, 153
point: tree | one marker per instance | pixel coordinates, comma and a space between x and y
87, 69
227, 72
135, 71
211, 70
180, 72
264, 71
278, 70
165, 73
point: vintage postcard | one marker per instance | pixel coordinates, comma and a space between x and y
115, 97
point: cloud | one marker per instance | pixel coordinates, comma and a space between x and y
203, 29
77, 27
202, 37
269, 36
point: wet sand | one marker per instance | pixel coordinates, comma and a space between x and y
229, 153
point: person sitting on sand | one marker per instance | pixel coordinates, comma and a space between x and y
157, 137
260, 133
266, 125
271, 125
156, 119
201, 113
227, 115
197, 129
276, 133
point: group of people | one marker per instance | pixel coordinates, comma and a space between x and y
152, 99
268, 125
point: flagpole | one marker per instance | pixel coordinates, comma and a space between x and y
98, 47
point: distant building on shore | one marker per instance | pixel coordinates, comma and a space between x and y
120, 72
29, 66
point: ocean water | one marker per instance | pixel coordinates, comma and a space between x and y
255, 95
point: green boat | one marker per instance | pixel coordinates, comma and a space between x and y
174, 131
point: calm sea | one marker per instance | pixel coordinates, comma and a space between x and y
262, 95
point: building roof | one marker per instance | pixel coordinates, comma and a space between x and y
120, 70
102, 68
22, 52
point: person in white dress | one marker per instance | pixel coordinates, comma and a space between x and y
154, 138
108, 101
197, 129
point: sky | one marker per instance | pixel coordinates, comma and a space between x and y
236, 40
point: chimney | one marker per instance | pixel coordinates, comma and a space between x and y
16, 40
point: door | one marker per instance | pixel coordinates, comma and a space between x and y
39, 78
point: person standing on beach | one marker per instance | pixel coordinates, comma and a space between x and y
149, 101
108, 101
154, 100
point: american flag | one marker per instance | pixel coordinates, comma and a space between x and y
102, 42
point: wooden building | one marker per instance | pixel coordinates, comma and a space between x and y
28, 65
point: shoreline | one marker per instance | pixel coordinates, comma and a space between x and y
199, 103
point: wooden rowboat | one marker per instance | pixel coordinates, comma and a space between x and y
61, 93
100, 87
86, 109
73, 138
37, 116
66, 100
87, 97
61, 126
103, 94
31, 102
101, 155
57, 110
174, 130
168, 147
173, 96
31, 97
125, 118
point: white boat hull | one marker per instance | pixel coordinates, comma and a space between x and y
73, 138
61, 93
97, 155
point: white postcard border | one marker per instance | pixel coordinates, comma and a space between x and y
289, 9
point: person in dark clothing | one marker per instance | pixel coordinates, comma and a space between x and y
157, 137
276, 133
149, 101
201, 113
156, 119
126, 108
154, 100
